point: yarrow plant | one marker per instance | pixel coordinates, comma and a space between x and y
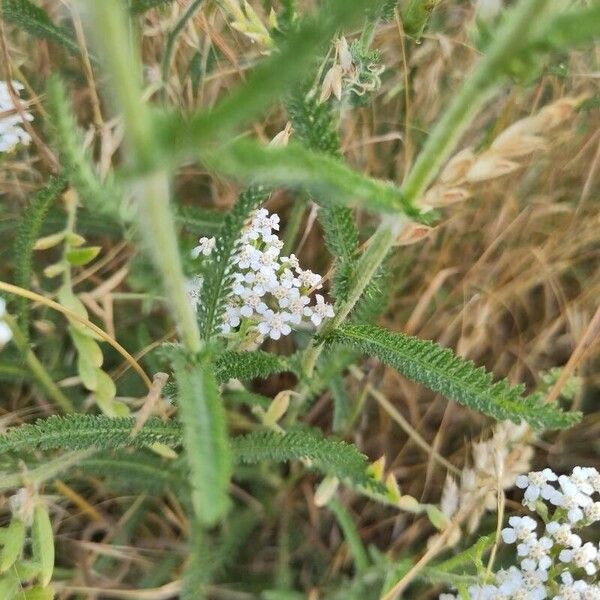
271, 293
11, 122
554, 560
160, 411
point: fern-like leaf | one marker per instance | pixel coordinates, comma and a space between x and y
29, 230
35, 21
218, 276
329, 456
100, 196
442, 371
249, 365
78, 432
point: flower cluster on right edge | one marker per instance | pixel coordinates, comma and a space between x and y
554, 561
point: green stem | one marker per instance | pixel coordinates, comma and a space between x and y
35, 366
511, 39
152, 191
359, 554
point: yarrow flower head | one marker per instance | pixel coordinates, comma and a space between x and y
557, 565
270, 293
11, 131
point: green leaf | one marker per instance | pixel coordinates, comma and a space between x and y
324, 176
79, 432
100, 196
42, 543
13, 540
218, 277
568, 29
30, 226
36, 22
442, 371
329, 456
248, 365
205, 436
82, 256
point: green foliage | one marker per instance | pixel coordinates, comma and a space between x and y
573, 27
30, 227
324, 176
442, 371
248, 365
36, 22
205, 436
415, 15
78, 431
329, 456
218, 277
314, 125
101, 196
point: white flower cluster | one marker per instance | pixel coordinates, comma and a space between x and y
557, 565
5, 332
11, 132
270, 293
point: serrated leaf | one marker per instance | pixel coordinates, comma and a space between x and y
42, 543
36, 22
81, 256
248, 365
442, 371
207, 450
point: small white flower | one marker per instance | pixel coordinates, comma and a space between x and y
536, 484
570, 589
571, 499
581, 478
583, 557
274, 324
288, 280
319, 311
262, 281
253, 304
592, 512
535, 553
561, 533
5, 331
246, 256
295, 307
522, 528
290, 261
309, 279
205, 247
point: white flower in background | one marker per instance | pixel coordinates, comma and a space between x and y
205, 247
535, 553
521, 528
536, 484
559, 565
11, 131
5, 332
